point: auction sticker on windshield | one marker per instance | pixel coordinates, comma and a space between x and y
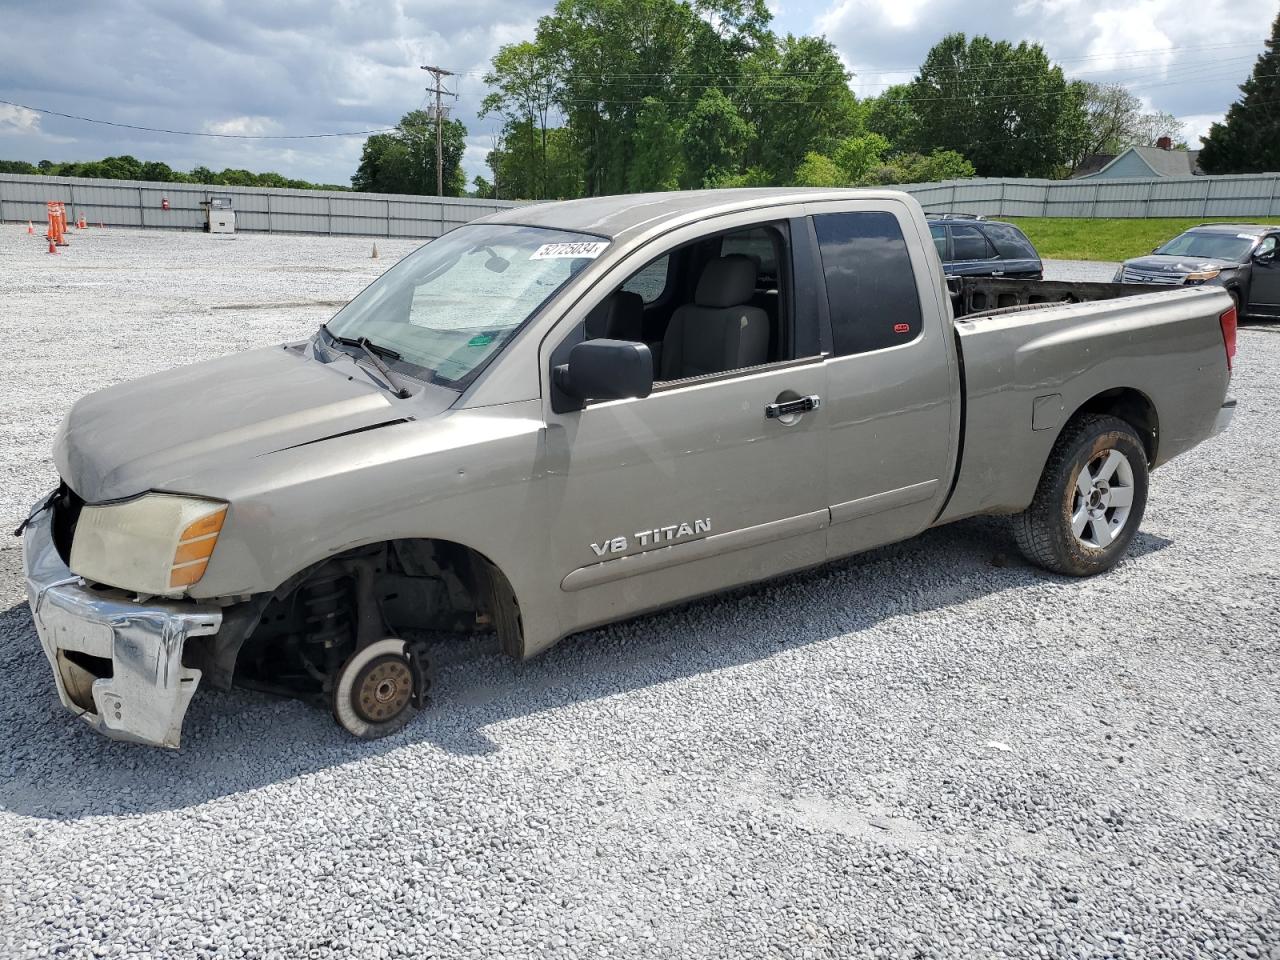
578, 250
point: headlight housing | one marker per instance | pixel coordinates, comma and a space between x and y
158, 544
1201, 276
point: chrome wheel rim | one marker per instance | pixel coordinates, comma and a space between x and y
1102, 499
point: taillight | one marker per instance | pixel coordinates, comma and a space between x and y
1228, 323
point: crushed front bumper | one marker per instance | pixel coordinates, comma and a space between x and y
117, 662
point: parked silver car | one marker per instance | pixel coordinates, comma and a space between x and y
571, 413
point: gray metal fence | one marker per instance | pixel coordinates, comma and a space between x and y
131, 203
1206, 198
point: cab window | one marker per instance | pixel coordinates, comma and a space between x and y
715, 305
651, 282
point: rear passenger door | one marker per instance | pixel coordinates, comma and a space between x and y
892, 402
971, 254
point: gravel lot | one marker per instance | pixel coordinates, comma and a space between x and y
931, 751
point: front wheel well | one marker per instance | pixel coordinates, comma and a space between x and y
1133, 407
299, 634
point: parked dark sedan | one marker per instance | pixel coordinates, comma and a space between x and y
973, 247
1238, 256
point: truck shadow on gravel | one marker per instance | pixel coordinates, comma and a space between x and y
54, 767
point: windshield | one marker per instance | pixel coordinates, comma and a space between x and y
453, 303
1215, 246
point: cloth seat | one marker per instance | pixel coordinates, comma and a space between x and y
720, 330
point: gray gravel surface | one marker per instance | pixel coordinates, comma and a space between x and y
931, 751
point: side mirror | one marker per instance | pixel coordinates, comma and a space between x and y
1265, 256
602, 370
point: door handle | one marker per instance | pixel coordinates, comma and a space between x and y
773, 411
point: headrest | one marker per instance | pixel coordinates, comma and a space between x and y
726, 282
620, 316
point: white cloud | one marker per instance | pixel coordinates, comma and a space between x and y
18, 119
243, 126
1196, 125
1152, 46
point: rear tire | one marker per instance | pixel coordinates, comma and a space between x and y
1090, 500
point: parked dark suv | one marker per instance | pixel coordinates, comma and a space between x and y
1238, 256
971, 246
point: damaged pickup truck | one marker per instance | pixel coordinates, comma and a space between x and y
571, 413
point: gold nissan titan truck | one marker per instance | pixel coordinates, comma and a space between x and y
566, 414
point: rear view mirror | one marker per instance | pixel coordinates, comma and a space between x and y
602, 370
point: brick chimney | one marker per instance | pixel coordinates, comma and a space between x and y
1165, 143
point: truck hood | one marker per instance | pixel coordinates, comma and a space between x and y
1180, 265
152, 433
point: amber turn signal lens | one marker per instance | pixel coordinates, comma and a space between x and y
204, 526
195, 546
194, 550
186, 575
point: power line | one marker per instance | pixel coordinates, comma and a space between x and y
195, 133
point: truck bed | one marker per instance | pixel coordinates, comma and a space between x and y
988, 295
1028, 368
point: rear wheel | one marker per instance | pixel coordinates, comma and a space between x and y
1090, 499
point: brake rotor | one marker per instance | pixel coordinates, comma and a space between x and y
382, 688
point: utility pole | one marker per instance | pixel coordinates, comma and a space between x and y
439, 73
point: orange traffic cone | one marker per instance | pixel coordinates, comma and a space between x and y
30, 228
53, 247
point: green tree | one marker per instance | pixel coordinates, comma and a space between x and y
613, 54
405, 161
817, 170
18, 166
656, 162
1248, 139
797, 99
712, 141
893, 116
858, 156
524, 92
1006, 108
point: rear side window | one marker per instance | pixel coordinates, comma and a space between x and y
1011, 242
968, 243
939, 234
871, 288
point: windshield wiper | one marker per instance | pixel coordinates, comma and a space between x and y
372, 351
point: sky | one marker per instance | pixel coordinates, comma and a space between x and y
295, 67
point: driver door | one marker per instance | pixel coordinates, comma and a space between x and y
1264, 286
689, 490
